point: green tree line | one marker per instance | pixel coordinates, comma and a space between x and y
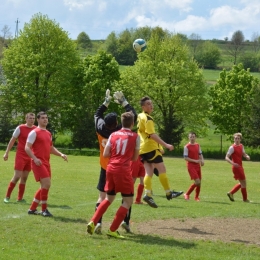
43, 69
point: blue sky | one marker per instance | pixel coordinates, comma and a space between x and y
98, 18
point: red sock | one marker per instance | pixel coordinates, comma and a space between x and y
140, 190
244, 193
44, 198
197, 191
191, 188
36, 200
235, 188
10, 189
119, 217
100, 211
21, 191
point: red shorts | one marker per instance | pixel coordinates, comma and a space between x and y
137, 169
22, 163
41, 172
119, 180
239, 173
194, 171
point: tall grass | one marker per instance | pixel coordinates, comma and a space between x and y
72, 201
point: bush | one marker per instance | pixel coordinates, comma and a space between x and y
63, 141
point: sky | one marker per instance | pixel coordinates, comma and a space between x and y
210, 19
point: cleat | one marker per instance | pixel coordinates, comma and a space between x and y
6, 200
149, 200
33, 212
91, 227
46, 213
186, 196
114, 234
197, 199
138, 202
173, 194
126, 227
231, 196
98, 229
248, 201
21, 201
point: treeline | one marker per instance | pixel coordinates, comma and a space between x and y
210, 54
42, 70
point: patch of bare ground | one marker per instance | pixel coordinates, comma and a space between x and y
229, 230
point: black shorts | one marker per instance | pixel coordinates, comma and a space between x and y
154, 156
102, 180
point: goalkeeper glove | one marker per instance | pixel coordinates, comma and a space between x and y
119, 98
107, 98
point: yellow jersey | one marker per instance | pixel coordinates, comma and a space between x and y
145, 125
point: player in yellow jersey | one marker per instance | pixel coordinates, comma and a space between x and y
151, 154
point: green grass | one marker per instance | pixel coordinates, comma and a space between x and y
72, 201
213, 75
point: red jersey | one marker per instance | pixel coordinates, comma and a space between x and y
237, 153
123, 145
41, 141
192, 151
23, 131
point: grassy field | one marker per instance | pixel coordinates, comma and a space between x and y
213, 75
72, 201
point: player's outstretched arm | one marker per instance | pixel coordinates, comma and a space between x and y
55, 151
108, 98
158, 139
119, 98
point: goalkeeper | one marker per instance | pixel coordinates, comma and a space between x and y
105, 126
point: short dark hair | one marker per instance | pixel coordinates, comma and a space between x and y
127, 119
111, 120
41, 114
143, 99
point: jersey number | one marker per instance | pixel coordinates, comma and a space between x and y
121, 148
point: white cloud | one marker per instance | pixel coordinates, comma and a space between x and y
190, 24
78, 4
184, 5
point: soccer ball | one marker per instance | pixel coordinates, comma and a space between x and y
139, 45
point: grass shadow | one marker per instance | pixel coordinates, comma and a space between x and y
157, 240
70, 220
59, 206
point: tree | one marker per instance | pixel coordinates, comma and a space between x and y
256, 42
38, 67
251, 125
174, 82
93, 77
250, 60
121, 45
111, 44
208, 55
126, 54
83, 41
6, 34
230, 99
194, 42
236, 45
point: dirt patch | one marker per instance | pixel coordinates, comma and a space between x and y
244, 231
